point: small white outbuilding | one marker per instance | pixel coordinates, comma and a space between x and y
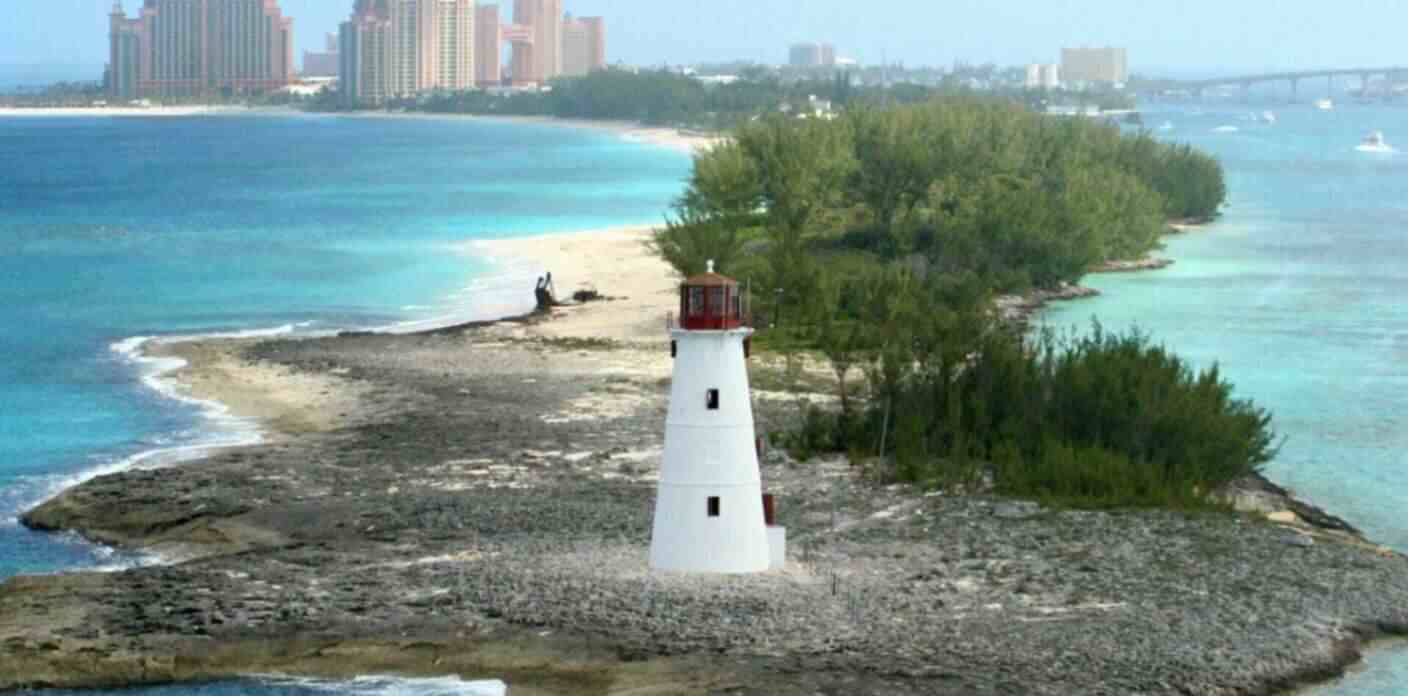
709, 515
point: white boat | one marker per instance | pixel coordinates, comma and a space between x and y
1226, 129
1374, 142
1325, 104
1268, 117
1167, 126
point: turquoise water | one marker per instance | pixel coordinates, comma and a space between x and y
1300, 293
119, 228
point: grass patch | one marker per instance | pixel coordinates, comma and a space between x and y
569, 343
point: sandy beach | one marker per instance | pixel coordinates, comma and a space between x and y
614, 262
127, 112
673, 138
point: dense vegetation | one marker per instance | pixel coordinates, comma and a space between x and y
1099, 419
660, 97
650, 97
958, 185
881, 238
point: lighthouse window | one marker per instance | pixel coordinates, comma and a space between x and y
713, 506
716, 302
696, 302
712, 400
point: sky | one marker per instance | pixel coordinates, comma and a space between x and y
1164, 37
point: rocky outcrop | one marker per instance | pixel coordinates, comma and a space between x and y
1021, 308
1148, 263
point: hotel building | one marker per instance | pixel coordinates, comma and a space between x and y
191, 48
488, 46
811, 55
322, 63
1108, 65
583, 45
392, 49
398, 48
540, 58
453, 45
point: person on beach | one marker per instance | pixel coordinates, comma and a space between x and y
544, 294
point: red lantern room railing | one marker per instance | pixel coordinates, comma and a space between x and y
710, 302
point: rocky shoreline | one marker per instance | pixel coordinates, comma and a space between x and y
482, 508
476, 501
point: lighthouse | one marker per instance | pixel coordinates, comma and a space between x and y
709, 515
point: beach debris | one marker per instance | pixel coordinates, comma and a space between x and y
586, 295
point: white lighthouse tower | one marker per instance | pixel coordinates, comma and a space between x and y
709, 510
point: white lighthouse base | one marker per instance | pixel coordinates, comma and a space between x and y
686, 539
777, 548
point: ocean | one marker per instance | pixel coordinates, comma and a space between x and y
127, 228
117, 229
1300, 294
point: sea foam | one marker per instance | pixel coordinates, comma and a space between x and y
394, 686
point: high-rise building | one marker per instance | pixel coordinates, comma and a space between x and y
805, 55
125, 54
453, 44
828, 55
488, 46
323, 63
583, 45
186, 48
1108, 65
539, 59
399, 48
364, 51
411, 55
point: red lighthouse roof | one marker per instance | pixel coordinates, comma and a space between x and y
710, 302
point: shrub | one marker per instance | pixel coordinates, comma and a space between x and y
1105, 419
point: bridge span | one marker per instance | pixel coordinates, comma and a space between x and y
1392, 74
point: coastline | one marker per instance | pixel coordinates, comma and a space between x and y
128, 112
670, 138
181, 367
1023, 308
483, 491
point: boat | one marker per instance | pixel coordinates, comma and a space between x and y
1325, 104
1374, 142
1226, 129
1167, 126
1268, 117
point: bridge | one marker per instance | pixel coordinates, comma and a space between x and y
1197, 87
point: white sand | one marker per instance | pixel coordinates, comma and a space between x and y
125, 111
665, 137
616, 263
685, 141
284, 401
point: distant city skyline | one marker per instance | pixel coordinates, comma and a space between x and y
1193, 37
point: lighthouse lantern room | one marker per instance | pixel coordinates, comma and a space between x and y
709, 514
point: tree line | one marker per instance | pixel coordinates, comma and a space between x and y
879, 239
668, 98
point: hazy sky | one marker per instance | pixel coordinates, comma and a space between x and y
1189, 35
